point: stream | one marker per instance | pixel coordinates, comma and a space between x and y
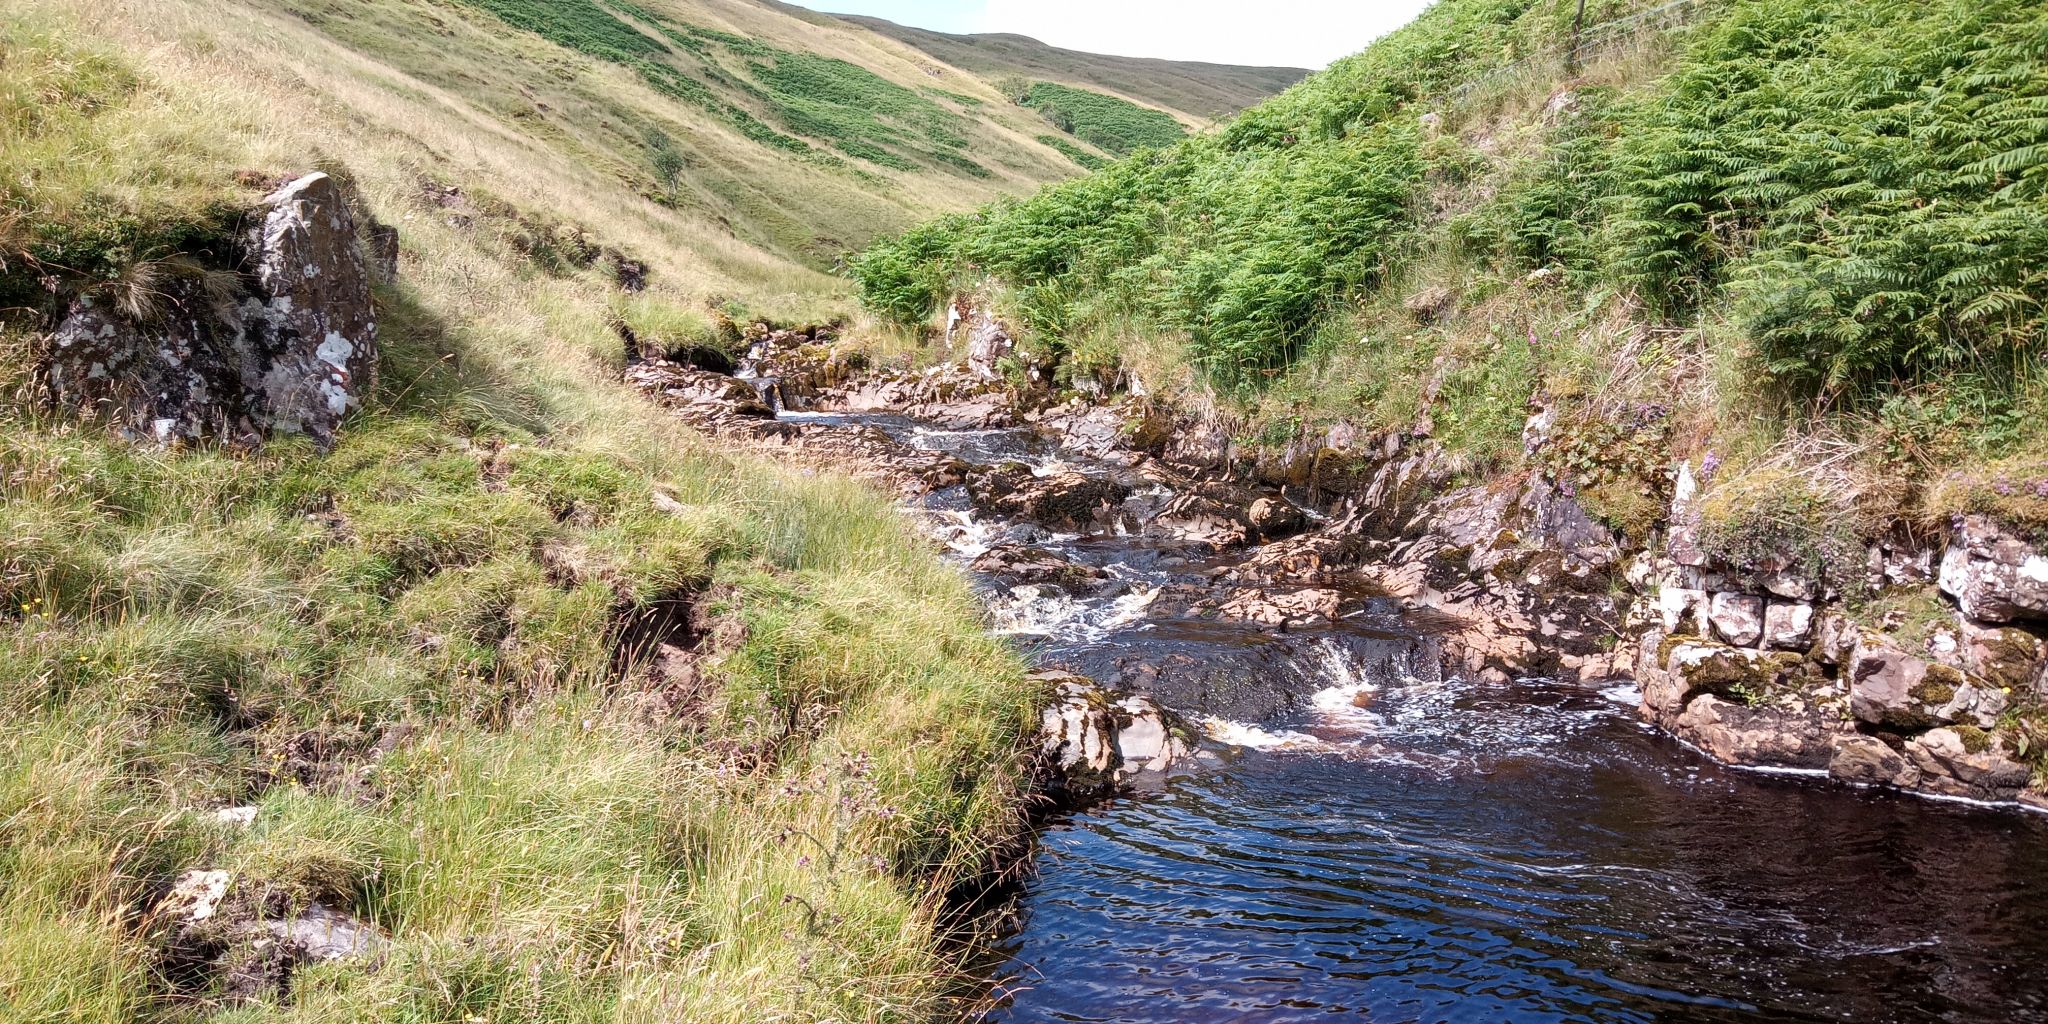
1368, 838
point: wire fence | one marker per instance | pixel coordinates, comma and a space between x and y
1593, 39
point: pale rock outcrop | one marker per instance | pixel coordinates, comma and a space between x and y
1737, 618
1994, 575
320, 935
195, 896
1094, 742
1788, 626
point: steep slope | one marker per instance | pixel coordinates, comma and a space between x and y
1198, 91
581, 719
799, 138
1752, 289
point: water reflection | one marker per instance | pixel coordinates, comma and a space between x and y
1529, 854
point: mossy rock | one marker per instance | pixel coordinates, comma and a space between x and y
1939, 686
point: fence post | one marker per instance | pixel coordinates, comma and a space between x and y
1571, 56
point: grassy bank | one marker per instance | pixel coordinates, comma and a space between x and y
1798, 236
403, 653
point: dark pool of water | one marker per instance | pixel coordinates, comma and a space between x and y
1527, 853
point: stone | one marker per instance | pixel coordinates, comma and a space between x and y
1887, 685
988, 344
1683, 609
2007, 658
1790, 586
1682, 537
1737, 618
1281, 607
1065, 500
317, 348
1213, 513
1835, 639
1275, 518
237, 816
1787, 735
1788, 626
177, 380
1995, 576
1078, 734
321, 935
1971, 763
1146, 739
1014, 564
1869, 761
195, 896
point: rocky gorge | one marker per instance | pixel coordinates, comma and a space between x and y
1756, 664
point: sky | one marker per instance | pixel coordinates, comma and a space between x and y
1287, 33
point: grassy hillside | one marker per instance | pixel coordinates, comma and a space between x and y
795, 138
1781, 227
421, 656
1202, 92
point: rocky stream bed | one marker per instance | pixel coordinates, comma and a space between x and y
1339, 736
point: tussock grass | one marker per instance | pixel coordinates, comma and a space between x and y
401, 652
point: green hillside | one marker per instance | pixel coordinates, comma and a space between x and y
1105, 122
1202, 92
1784, 220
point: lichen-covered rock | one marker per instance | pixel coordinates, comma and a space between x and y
1737, 618
1993, 575
288, 347
2005, 657
313, 329
179, 379
1094, 741
1078, 734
